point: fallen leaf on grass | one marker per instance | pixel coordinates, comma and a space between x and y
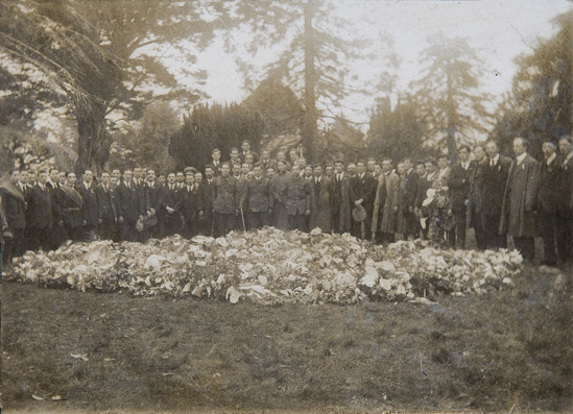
80, 356
37, 397
57, 398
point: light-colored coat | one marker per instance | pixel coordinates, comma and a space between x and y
321, 206
386, 203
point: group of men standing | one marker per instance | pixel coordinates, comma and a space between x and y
495, 195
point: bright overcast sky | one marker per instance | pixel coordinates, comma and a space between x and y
501, 30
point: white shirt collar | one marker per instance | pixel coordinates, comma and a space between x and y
520, 158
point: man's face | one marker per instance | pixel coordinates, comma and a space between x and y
442, 162
371, 165
295, 170
116, 174
281, 166
386, 166
308, 171
190, 179
54, 175
360, 168
408, 164
258, 171
270, 173
236, 169
137, 173
24, 177
401, 168
209, 173
15, 177
105, 178
378, 169
351, 169
171, 178
317, 171
491, 149
265, 155
72, 179
421, 169
161, 180
339, 167
245, 147
225, 170
42, 178
463, 155
547, 149
245, 168
234, 154
150, 176
127, 175
479, 153
281, 156
180, 177
113, 181
249, 159
329, 170
198, 177
430, 167
217, 155
301, 162
518, 146
565, 146
293, 156
88, 176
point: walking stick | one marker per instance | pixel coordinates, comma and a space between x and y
243, 220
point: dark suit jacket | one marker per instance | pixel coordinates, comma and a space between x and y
565, 201
152, 197
459, 183
190, 204
206, 191
412, 186
108, 204
14, 207
39, 212
495, 179
68, 202
550, 180
258, 195
90, 209
364, 188
128, 202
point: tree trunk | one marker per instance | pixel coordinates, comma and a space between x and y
451, 121
311, 115
93, 140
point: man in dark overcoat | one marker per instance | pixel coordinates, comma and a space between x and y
520, 200
14, 208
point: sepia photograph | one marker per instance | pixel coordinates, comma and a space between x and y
286, 206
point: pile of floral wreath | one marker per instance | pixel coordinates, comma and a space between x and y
270, 266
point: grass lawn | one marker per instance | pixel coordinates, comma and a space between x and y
159, 354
